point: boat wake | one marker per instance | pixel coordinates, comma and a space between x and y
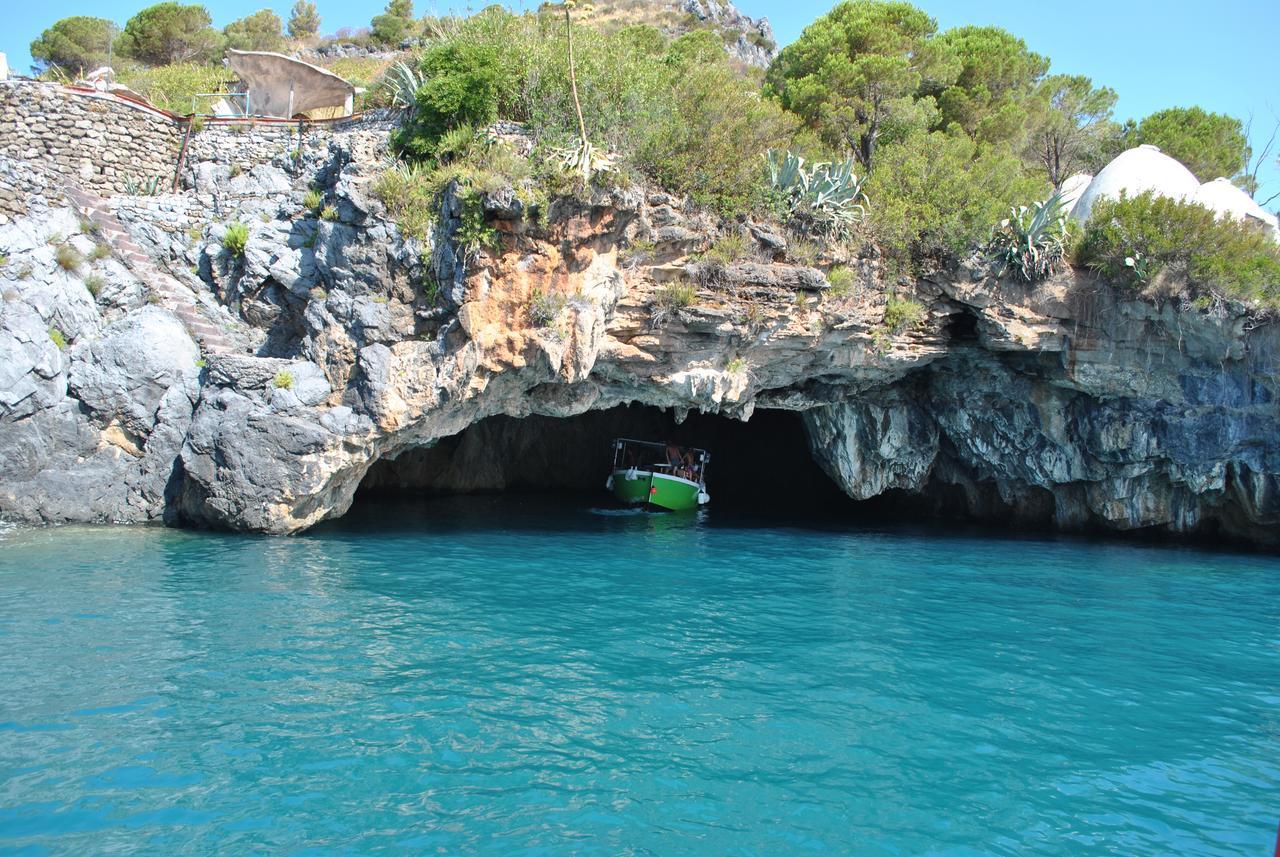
618, 513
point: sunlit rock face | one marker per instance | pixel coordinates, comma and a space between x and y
1067, 403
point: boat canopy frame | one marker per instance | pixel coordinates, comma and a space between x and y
621, 444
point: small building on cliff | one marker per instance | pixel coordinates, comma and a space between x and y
1136, 172
1146, 169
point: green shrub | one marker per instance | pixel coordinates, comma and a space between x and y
1032, 240
675, 296
329, 213
68, 258
313, 200
825, 197
1132, 240
802, 251
727, 249
283, 380
94, 284
936, 195
99, 252
638, 252
706, 137
135, 186
670, 301
545, 307
473, 232
686, 118
410, 198
173, 87
842, 281
59, 338
235, 238
466, 81
902, 313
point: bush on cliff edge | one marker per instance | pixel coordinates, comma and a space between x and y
1134, 240
677, 113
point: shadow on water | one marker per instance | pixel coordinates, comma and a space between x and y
547, 474
405, 515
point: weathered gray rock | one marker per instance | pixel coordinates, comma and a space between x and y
123, 374
1067, 404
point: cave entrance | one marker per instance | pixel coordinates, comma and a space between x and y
762, 465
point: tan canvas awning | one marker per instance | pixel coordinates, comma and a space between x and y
284, 87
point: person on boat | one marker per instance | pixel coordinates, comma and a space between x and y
692, 466
675, 459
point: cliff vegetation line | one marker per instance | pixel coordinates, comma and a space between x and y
948, 130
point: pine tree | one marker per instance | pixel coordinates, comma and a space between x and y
304, 20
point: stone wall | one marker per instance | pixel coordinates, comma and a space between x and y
244, 145
99, 142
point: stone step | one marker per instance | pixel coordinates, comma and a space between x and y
174, 295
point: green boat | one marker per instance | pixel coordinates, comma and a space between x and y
659, 474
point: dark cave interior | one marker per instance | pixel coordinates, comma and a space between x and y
763, 464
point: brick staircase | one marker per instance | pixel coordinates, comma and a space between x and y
173, 295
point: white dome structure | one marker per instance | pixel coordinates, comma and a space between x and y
1226, 200
1072, 189
1135, 172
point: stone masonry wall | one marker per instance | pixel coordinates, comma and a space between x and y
96, 141
246, 144
243, 143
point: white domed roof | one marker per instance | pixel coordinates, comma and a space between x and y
1135, 172
1073, 188
1227, 200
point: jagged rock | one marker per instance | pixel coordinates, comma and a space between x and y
1067, 403
122, 375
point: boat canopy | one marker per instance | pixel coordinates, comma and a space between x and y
628, 452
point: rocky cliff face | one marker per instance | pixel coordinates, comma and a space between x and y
345, 344
748, 40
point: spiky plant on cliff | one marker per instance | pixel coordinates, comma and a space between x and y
823, 198
583, 157
1032, 240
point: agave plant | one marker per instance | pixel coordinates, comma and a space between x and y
584, 158
825, 197
402, 82
1032, 240
142, 187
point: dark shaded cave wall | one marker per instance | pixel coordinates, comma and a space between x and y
763, 463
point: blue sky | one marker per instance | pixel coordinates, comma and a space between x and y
1220, 56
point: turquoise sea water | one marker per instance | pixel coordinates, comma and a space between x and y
509, 676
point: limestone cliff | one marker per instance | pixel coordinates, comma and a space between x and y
171, 378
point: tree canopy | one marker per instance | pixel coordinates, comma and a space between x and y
853, 74
1072, 122
1211, 145
395, 24
170, 33
261, 31
304, 20
76, 44
998, 75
